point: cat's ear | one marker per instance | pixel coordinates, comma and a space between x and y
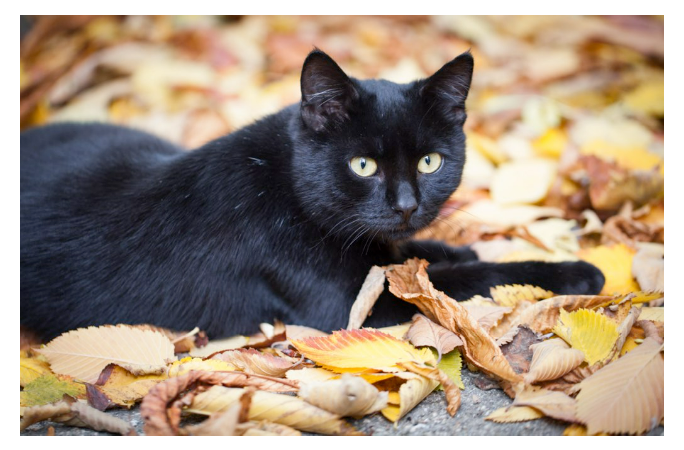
328, 94
449, 86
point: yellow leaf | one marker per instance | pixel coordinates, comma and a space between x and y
589, 332
633, 158
510, 295
509, 414
656, 314
578, 430
648, 97
365, 348
185, 365
84, 352
627, 395
451, 365
278, 408
412, 392
125, 389
629, 345
487, 147
616, 264
398, 331
31, 369
550, 144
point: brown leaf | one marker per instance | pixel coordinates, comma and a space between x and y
507, 328
543, 315
518, 352
35, 414
370, 291
627, 395
76, 413
423, 332
651, 330
218, 346
487, 316
269, 335
410, 283
183, 341
100, 421
117, 386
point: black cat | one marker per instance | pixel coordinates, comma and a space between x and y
281, 219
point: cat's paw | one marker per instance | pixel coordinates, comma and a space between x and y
581, 278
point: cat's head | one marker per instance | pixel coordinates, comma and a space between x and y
376, 158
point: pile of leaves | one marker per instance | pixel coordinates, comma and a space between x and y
565, 162
593, 361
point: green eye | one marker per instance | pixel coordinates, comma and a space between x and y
363, 166
429, 163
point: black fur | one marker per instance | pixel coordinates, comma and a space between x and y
118, 226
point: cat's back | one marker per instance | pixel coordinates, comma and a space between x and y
54, 153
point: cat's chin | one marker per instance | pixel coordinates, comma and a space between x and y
396, 234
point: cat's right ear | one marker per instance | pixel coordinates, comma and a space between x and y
449, 86
328, 94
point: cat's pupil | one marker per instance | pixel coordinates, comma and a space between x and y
427, 160
362, 163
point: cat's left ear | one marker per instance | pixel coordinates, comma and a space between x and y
449, 87
328, 94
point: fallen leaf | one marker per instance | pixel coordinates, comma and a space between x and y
424, 332
283, 409
589, 332
365, 348
348, 396
579, 430
301, 332
655, 314
266, 428
223, 423
410, 393
77, 414
49, 388
398, 331
31, 369
552, 359
311, 375
552, 403
648, 268
160, 408
410, 283
253, 361
523, 181
651, 331
451, 365
627, 395
83, 353
616, 264
543, 315
509, 414
183, 341
510, 295
453, 393
370, 291
518, 352
185, 365
122, 388
218, 346
487, 316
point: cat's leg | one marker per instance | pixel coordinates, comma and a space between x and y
462, 281
435, 251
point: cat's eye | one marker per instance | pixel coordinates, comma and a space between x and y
363, 166
429, 163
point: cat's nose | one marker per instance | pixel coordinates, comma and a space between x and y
405, 205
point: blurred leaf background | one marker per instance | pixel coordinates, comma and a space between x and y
566, 115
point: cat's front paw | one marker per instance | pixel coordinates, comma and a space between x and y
581, 278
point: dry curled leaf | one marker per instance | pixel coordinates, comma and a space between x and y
627, 395
83, 353
348, 396
223, 423
552, 403
453, 393
253, 361
185, 365
552, 359
160, 408
648, 267
410, 282
120, 387
370, 291
411, 392
424, 332
518, 352
78, 414
283, 409
543, 315
219, 346
487, 316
